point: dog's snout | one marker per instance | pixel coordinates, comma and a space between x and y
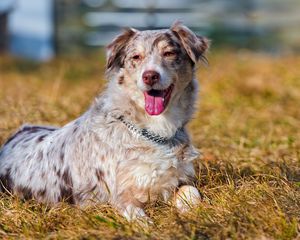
151, 77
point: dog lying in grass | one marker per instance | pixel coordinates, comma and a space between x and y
131, 146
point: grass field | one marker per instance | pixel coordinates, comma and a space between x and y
247, 128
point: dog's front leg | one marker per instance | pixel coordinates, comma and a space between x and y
132, 210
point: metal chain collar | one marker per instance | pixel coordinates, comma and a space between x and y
153, 137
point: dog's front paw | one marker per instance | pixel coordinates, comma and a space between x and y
137, 215
186, 198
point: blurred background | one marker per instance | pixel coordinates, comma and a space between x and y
43, 29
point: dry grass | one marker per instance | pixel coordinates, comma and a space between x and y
247, 127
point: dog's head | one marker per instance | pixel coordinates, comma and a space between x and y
155, 66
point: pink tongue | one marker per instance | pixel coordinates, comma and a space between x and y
154, 105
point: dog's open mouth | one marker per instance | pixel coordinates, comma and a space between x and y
156, 101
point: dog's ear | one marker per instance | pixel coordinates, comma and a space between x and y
194, 45
115, 50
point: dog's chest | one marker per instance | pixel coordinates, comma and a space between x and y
152, 172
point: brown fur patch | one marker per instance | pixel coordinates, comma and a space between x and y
6, 182
25, 192
121, 80
194, 45
75, 129
99, 174
66, 195
41, 138
66, 177
62, 152
166, 37
41, 193
116, 50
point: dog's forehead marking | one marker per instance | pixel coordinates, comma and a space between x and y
165, 41
150, 39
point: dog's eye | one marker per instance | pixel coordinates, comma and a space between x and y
169, 54
136, 57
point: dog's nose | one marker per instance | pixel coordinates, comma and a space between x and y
151, 77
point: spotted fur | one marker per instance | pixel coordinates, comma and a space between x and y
96, 158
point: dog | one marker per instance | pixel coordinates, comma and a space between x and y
131, 146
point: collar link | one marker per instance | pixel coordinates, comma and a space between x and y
178, 138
